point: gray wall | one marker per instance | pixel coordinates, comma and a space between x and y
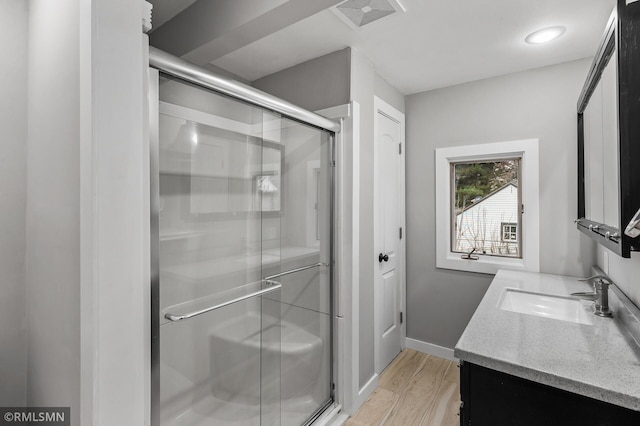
53, 207
388, 93
13, 137
534, 104
316, 84
365, 84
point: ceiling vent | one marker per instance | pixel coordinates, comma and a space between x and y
358, 13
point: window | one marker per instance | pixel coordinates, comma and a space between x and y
487, 205
509, 232
486, 195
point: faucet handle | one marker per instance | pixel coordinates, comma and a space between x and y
602, 283
606, 280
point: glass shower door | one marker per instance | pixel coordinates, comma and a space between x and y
219, 352
304, 250
244, 253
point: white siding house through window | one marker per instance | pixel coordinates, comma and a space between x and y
489, 224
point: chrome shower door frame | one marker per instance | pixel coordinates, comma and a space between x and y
154, 243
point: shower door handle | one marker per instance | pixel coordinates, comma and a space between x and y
273, 286
293, 271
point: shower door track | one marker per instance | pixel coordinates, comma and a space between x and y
162, 62
176, 67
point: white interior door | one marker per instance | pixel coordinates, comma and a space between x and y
389, 190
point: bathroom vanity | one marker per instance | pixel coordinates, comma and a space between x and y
532, 355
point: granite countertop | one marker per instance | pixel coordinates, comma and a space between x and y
600, 360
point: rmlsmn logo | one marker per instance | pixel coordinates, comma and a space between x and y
42, 416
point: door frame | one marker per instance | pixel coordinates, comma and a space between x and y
383, 107
346, 271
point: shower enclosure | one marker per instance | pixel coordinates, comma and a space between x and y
241, 253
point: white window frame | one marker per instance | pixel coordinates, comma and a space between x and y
530, 226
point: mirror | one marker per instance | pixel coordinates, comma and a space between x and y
608, 134
600, 126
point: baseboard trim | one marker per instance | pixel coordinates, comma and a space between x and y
431, 349
366, 391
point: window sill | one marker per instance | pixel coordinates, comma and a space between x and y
484, 265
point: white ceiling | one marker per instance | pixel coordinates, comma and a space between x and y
436, 43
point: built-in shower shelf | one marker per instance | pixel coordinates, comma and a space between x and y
269, 130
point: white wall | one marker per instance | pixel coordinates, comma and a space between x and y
538, 104
114, 218
13, 178
362, 91
53, 207
623, 272
87, 212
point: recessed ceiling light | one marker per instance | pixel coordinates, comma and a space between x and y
545, 35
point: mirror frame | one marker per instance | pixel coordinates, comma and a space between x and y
621, 31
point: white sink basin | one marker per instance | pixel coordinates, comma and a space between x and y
544, 305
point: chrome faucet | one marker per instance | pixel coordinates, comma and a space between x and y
600, 294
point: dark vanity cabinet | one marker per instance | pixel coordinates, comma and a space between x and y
494, 398
609, 134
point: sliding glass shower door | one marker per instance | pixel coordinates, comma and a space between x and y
244, 245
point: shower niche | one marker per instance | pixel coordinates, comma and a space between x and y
242, 231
